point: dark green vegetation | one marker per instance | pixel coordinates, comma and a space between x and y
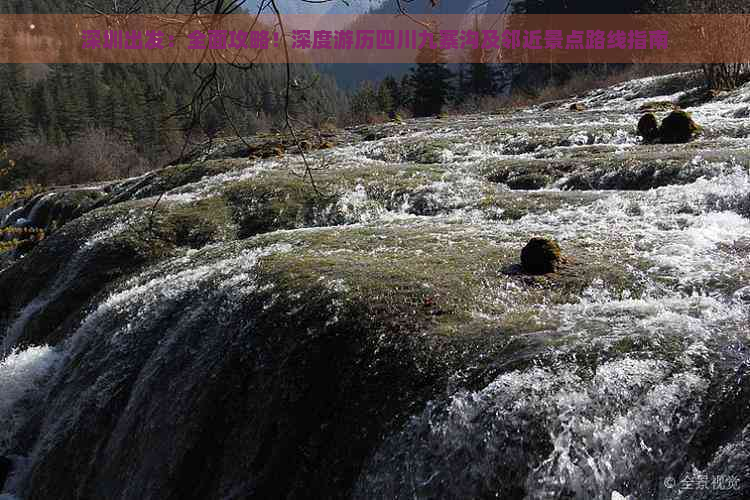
145, 108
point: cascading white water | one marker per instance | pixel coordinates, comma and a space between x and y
613, 399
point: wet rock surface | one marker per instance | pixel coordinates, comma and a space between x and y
249, 337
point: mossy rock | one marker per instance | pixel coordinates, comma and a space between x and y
167, 179
657, 106
513, 205
269, 203
695, 97
541, 256
275, 200
648, 127
195, 225
85, 259
273, 149
523, 173
678, 127
429, 152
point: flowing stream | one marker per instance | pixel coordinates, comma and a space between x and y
207, 372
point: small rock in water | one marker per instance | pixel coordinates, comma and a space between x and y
5, 468
577, 106
540, 256
743, 294
677, 127
648, 127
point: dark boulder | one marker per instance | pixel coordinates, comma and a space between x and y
6, 466
541, 256
648, 127
677, 127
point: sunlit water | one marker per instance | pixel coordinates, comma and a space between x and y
562, 427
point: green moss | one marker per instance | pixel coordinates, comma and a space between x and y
512, 205
281, 200
657, 106
169, 178
268, 203
428, 152
522, 173
442, 278
196, 224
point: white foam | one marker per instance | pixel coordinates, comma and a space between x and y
21, 374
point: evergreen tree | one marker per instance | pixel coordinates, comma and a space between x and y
41, 109
432, 88
364, 103
406, 91
13, 124
461, 92
431, 81
93, 91
390, 97
14, 111
481, 77
70, 105
114, 113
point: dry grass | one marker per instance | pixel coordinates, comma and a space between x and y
98, 155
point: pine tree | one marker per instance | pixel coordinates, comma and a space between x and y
385, 100
389, 96
432, 88
114, 113
13, 123
14, 118
70, 105
406, 91
482, 79
431, 81
481, 76
92, 89
364, 103
461, 92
